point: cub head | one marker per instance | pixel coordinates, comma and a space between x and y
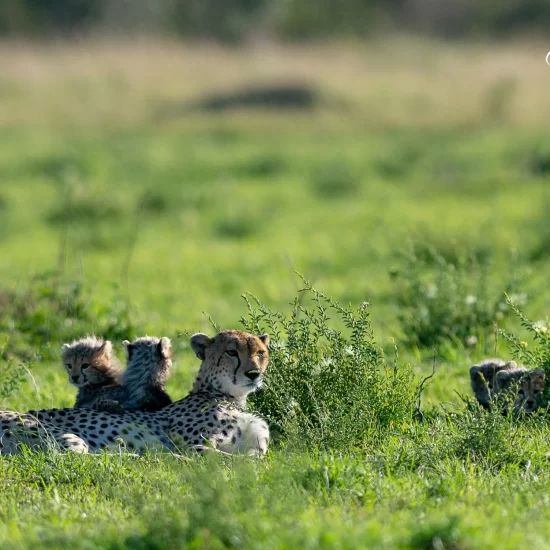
152, 351
89, 361
233, 362
148, 347
525, 386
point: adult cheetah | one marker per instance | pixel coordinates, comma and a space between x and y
211, 416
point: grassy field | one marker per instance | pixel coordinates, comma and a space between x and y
417, 182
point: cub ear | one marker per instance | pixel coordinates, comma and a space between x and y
199, 343
265, 339
474, 372
106, 349
128, 349
510, 365
65, 348
164, 347
538, 377
502, 380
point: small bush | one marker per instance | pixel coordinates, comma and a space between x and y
155, 203
329, 385
536, 354
60, 168
448, 302
334, 181
540, 163
260, 167
236, 227
12, 373
84, 209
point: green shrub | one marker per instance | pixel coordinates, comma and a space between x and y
535, 354
12, 373
329, 385
450, 302
334, 181
85, 209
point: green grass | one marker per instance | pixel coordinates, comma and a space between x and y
149, 226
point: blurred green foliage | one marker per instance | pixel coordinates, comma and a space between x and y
235, 20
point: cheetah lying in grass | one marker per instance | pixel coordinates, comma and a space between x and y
211, 416
507, 382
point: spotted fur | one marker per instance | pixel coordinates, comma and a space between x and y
521, 386
91, 367
211, 416
142, 385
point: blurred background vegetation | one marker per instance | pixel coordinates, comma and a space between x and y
238, 20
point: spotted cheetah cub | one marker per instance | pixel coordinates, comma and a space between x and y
482, 379
142, 384
521, 386
91, 366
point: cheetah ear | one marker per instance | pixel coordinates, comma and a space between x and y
199, 343
265, 339
106, 349
510, 365
128, 349
164, 347
65, 348
474, 373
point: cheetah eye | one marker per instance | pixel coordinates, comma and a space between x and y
232, 353
521, 393
84, 366
68, 366
536, 392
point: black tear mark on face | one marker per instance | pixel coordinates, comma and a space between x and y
236, 368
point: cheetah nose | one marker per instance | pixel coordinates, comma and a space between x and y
252, 374
530, 403
75, 377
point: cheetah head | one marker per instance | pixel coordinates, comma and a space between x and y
233, 362
525, 387
88, 361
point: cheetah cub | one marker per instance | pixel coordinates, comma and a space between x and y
91, 366
149, 362
482, 379
495, 377
521, 386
